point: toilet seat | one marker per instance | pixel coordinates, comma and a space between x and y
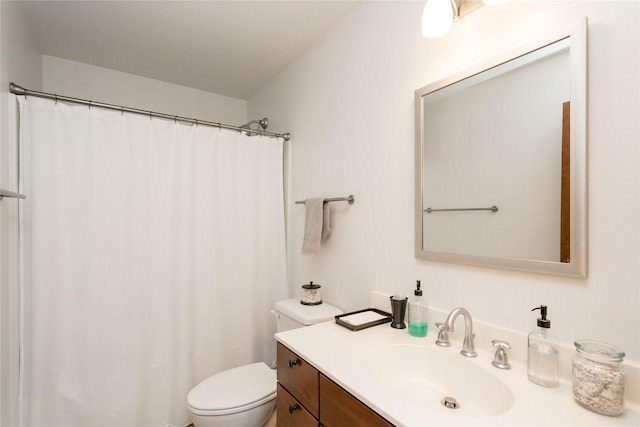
234, 390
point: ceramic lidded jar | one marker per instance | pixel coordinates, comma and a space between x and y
598, 377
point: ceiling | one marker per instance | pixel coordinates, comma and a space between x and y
227, 47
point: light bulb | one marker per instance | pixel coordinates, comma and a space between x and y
437, 18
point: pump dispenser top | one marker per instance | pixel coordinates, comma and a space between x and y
543, 322
542, 356
418, 291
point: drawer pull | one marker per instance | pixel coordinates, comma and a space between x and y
293, 408
293, 362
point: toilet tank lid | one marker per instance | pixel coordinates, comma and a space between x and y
307, 314
234, 388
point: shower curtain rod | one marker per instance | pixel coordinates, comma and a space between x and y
18, 90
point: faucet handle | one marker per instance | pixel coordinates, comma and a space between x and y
443, 335
501, 344
501, 359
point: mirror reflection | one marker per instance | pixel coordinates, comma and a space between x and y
499, 182
495, 139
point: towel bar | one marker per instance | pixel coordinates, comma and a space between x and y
6, 193
349, 199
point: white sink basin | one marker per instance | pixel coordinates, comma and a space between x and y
426, 376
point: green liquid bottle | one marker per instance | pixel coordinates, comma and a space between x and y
418, 329
418, 314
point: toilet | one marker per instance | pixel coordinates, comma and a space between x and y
245, 396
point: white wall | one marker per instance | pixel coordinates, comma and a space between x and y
348, 103
78, 80
20, 60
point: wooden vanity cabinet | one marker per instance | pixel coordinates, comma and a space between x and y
300, 379
339, 408
308, 398
291, 413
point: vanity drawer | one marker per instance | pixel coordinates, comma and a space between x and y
290, 413
299, 378
339, 408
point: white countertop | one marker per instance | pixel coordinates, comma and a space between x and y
339, 354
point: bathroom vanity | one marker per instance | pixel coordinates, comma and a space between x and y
307, 397
380, 376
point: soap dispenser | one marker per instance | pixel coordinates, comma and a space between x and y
417, 314
542, 357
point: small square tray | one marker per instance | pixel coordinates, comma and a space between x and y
358, 326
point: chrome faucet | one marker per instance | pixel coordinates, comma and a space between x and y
468, 346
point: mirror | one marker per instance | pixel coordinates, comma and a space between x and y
501, 161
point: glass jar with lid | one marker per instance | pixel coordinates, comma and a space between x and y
598, 377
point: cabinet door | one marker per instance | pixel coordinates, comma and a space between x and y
299, 378
290, 413
338, 408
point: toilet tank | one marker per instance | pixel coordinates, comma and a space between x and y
290, 314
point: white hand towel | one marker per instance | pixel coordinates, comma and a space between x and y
326, 222
312, 226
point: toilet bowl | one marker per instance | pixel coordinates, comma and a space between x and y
242, 397
245, 396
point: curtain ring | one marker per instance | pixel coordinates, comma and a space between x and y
90, 104
55, 97
196, 120
122, 110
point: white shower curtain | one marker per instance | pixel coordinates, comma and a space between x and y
153, 252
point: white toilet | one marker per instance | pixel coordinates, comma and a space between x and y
245, 396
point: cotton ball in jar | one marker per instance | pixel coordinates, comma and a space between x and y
311, 294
